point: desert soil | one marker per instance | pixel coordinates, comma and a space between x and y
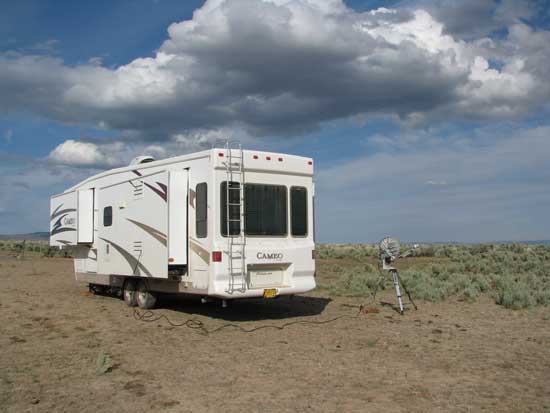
450, 356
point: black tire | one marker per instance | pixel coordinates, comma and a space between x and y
145, 298
129, 293
97, 289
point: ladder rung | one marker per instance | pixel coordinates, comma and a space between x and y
234, 203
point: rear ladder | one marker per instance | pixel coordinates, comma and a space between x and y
236, 264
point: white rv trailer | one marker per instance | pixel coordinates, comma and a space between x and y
225, 223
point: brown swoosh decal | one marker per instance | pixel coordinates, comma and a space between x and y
200, 251
57, 211
159, 236
162, 192
133, 261
59, 230
192, 196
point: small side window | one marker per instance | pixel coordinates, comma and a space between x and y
201, 210
107, 216
298, 211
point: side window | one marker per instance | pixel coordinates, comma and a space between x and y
107, 216
298, 211
201, 223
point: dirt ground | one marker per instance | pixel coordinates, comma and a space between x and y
444, 357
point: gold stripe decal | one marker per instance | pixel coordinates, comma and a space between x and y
200, 251
155, 233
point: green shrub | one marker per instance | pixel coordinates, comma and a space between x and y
516, 275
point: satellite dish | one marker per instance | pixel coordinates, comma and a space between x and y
389, 249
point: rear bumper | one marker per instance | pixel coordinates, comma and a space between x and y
299, 285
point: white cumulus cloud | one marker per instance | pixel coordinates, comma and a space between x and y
77, 153
285, 67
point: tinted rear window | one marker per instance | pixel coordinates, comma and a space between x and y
265, 210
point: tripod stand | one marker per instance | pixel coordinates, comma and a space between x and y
389, 251
397, 284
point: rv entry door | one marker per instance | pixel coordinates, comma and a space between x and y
177, 217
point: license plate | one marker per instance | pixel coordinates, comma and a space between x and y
270, 292
266, 278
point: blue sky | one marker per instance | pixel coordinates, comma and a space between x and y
427, 120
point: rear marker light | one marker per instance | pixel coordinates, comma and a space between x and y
268, 158
170, 260
310, 162
217, 256
255, 157
280, 159
220, 154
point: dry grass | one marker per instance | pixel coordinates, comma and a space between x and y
34, 247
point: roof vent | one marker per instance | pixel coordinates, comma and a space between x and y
142, 159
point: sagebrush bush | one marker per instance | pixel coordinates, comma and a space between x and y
516, 275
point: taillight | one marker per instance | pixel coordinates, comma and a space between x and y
217, 256
313, 254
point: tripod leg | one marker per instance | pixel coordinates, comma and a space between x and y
409, 295
397, 290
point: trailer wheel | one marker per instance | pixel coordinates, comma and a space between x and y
96, 289
145, 298
129, 293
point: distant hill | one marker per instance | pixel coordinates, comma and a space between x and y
34, 236
45, 236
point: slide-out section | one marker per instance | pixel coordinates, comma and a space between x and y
132, 237
177, 217
85, 216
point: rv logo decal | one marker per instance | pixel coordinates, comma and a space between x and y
69, 221
278, 256
58, 227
